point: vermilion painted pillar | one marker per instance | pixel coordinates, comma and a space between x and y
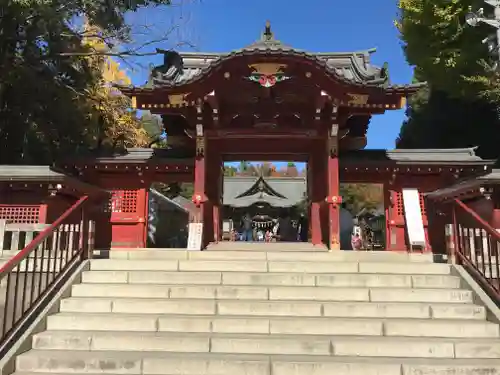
199, 180
387, 212
397, 222
215, 191
315, 211
199, 191
334, 201
142, 212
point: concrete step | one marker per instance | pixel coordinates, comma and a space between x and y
243, 292
318, 256
266, 278
273, 308
273, 325
265, 246
267, 344
160, 363
269, 266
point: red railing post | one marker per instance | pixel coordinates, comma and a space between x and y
456, 237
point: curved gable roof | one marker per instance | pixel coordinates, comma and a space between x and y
276, 191
353, 68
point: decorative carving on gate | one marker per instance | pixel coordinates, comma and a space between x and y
179, 100
200, 146
333, 145
357, 99
268, 74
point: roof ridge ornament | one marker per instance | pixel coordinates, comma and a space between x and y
267, 35
267, 41
172, 67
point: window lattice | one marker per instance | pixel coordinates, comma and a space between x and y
124, 201
20, 214
400, 206
422, 205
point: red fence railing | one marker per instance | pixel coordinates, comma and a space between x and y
475, 246
31, 277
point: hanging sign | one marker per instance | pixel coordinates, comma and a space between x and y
195, 236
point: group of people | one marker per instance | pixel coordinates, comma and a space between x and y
282, 230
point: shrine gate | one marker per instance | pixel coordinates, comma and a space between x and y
267, 101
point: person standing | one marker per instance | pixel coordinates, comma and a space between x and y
346, 228
303, 228
356, 242
246, 224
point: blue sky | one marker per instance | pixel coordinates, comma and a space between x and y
314, 25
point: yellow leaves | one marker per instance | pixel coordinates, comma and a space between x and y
410, 5
112, 73
126, 128
111, 106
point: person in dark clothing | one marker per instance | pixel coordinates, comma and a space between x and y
303, 228
246, 225
287, 232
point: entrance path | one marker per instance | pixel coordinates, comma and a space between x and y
247, 312
265, 246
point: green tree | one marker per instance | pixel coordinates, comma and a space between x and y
47, 80
443, 51
230, 171
359, 196
243, 167
460, 106
437, 120
152, 124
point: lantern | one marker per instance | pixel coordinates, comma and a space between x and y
197, 199
334, 199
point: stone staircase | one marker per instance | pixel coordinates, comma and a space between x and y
253, 312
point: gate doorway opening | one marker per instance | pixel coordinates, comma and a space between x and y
365, 204
265, 202
169, 215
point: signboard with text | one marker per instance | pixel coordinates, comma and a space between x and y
195, 236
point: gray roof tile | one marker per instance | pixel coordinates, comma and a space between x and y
290, 191
454, 156
351, 67
459, 156
143, 155
30, 173
491, 178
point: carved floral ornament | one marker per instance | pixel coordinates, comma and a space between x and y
268, 74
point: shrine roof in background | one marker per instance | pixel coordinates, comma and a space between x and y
275, 191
